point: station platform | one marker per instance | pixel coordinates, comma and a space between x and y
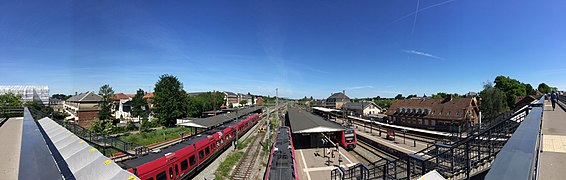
553, 157
10, 140
314, 167
397, 144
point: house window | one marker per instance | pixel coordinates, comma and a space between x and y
432, 123
448, 114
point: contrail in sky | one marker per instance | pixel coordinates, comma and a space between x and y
420, 10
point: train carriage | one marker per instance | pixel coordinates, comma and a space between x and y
188, 157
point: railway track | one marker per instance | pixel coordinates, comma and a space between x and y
245, 167
412, 136
369, 153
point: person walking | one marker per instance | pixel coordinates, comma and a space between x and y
553, 99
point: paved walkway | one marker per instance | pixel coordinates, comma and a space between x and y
553, 158
318, 167
407, 147
10, 143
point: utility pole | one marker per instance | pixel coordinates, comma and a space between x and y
214, 101
277, 103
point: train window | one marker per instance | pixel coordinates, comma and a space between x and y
176, 169
207, 151
218, 143
161, 176
184, 165
192, 160
171, 172
200, 155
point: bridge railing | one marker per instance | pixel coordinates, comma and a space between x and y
96, 139
462, 159
11, 111
519, 157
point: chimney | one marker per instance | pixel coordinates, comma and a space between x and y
75, 93
450, 97
344, 92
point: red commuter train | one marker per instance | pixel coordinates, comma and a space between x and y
185, 159
348, 139
282, 164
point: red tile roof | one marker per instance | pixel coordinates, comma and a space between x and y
148, 95
120, 96
431, 108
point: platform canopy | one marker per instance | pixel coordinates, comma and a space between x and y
218, 119
326, 110
305, 122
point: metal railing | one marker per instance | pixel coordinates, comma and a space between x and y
11, 111
520, 156
97, 139
461, 159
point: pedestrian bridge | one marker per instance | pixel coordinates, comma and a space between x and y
527, 144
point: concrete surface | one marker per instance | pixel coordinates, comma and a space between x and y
10, 143
553, 157
312, 167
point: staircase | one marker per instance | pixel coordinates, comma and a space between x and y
460, 157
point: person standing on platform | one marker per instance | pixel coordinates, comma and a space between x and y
553, 99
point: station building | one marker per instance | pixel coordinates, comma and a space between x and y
442, 114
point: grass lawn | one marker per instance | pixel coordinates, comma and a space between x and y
226, 165
147, 138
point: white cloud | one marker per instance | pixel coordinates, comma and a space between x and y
420, 53
359, 87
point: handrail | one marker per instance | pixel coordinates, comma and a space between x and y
461, 159
96, 139
519, 157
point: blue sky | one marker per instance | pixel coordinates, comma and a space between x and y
304, 48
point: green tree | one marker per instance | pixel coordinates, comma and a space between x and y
230, 105
253, 98
493, 101
96, 126
243, 102
399, 96
384, 103
61, 96
170, 100
529, 89
139, 105
411, 96
204, 102
105, 105
544, 88
511, 87
10, 99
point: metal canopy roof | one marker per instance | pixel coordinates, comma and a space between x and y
282, 167
218, 119
326, 109
83, 160
305, 122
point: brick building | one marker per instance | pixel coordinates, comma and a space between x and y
83, 108
336, 100
443, 114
